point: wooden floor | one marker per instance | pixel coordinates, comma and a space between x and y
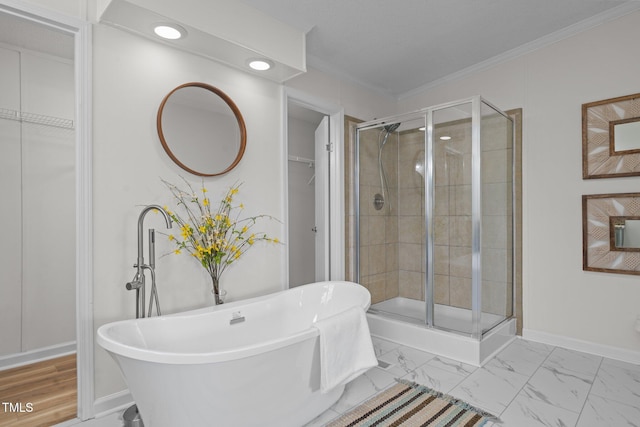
39, 395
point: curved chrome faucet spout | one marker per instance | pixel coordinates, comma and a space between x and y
144, 212
138, 282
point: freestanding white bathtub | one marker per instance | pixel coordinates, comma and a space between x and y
247, 363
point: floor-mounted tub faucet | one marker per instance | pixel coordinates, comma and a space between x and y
138, 282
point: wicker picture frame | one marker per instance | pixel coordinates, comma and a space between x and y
600, 159
600, 213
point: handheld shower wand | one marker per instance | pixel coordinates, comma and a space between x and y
380, 199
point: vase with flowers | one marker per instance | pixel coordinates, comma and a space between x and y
216, 237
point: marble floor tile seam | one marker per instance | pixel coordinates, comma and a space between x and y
602, 360
579, 414
527, 355
608, 395
549, 360
510, 402
538, 387
413, 376
522, 392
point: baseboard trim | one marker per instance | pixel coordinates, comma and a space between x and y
603, 350
37, 355
112, 403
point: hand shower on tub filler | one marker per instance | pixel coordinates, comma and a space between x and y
138, 282
131, 416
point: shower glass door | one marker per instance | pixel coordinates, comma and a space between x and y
496, 220
450, 282
471, 242
390, 219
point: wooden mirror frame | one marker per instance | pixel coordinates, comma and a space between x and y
236, 113
599, 157
598, 251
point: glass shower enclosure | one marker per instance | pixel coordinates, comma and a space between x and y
434, 223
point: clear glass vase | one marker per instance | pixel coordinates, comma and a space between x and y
218, 294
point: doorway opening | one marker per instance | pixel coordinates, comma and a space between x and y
46, 180
314, 191
308, 136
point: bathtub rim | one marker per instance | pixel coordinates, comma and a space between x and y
106, 341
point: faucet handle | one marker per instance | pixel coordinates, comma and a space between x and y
134, 284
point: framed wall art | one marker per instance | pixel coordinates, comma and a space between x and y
611, 137
611, 233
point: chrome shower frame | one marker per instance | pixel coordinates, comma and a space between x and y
427, 114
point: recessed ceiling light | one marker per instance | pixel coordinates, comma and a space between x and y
169, 31
260, 64
445, 138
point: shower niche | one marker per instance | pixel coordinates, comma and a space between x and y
434, 230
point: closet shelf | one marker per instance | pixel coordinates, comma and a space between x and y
38, 119
310, 162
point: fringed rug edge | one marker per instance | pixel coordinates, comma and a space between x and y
454, 400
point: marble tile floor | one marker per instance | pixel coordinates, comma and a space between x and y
527, 384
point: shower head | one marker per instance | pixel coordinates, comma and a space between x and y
388, 129
392, 127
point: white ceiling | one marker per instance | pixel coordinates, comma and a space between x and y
398, 47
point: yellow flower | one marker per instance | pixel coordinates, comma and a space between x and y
186, 231
275, 240
216, 239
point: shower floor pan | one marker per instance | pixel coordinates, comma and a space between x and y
402, 320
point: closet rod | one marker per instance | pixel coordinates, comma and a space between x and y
35, 118
310, 162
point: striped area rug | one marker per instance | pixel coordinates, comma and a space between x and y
409, 404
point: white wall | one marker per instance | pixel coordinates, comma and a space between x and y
551, 84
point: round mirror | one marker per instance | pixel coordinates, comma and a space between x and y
201, 129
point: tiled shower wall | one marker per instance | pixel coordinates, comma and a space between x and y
378, 228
